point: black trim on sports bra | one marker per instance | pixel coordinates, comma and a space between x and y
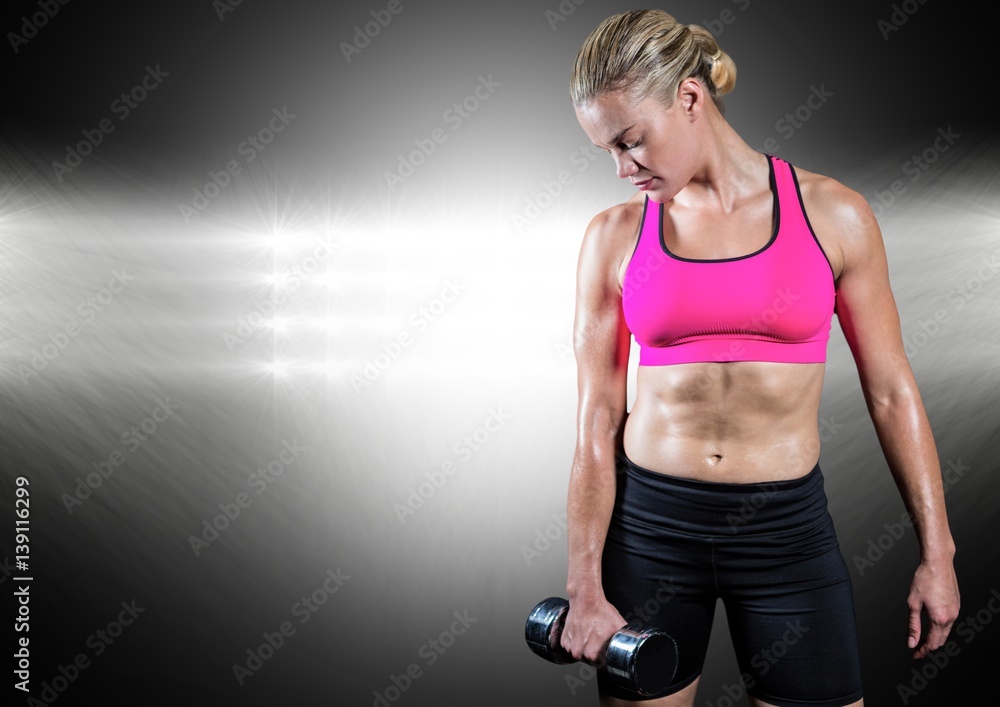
642, 226
802, 205
638, 239
776, 217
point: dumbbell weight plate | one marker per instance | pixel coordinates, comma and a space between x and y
543, 629
643, 660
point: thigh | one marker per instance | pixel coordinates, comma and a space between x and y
660, 579
790, 607
681, 698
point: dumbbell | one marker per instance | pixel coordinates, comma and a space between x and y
641, 660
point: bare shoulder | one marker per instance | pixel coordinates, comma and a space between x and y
610, 238
841, 218
601, 339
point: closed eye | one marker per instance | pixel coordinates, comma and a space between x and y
626, 147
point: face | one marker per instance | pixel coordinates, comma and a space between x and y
653, 146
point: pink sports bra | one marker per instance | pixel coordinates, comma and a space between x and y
775, 304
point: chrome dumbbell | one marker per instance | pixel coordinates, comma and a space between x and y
641, 660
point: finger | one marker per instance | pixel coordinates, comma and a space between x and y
914, 627
602, 658
938, 634
931, 641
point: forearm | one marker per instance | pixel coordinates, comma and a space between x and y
908, 443
591, 498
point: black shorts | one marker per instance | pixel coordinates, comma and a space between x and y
768, 550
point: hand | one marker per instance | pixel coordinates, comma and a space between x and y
590, 624
934, 589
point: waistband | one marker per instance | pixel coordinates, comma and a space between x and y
718, 508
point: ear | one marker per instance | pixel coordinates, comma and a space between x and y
691, 97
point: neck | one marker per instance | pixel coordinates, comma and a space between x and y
729, 171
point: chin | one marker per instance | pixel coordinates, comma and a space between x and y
658, 196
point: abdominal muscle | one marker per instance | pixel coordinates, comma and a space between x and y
734, 422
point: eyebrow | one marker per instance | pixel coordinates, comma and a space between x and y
614, 140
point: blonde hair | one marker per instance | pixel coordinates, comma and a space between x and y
648, 53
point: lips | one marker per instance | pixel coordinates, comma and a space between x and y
643, 184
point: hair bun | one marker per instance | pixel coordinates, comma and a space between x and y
723, 72
723, 68
649, 53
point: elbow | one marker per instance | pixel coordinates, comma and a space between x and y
604, 423
890, 399
888, 382
599, 435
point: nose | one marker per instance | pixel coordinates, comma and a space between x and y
625, 166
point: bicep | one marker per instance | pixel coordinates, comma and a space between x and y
601, 339
866, 308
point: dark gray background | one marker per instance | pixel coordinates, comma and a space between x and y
501, 345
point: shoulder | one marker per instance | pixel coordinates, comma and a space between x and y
618, 222
841, 218
611, 235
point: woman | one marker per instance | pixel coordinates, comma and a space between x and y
727, 267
